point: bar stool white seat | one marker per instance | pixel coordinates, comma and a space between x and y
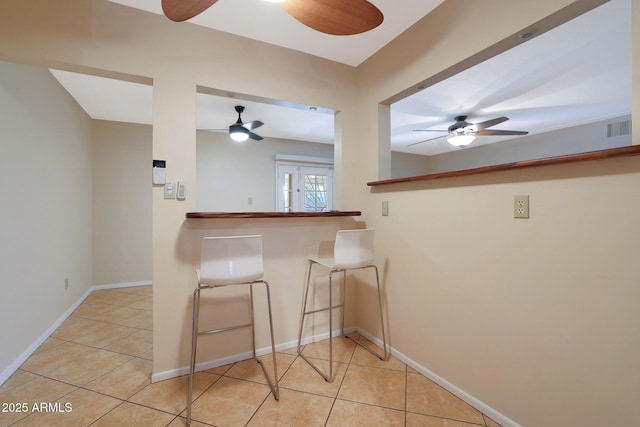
353, 249
224, 261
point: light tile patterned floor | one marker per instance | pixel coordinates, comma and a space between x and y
98, 364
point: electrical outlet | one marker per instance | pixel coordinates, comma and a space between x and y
385, 208
521, 206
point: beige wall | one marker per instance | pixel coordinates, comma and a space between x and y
536, 318
121, 203
83, 36
45, 212
544, 335
80, 209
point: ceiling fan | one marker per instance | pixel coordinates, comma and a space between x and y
462, 133
335, 17
240, 131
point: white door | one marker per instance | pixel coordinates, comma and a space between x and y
304, 188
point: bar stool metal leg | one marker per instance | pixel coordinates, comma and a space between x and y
302, 317
353, 250
384, 341
344, 299
252, 329
273, 384
330, 308
329, 377
194, 344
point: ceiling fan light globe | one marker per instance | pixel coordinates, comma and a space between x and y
238, 133
461, 140
239, 137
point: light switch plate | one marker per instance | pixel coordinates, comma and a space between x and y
169, 190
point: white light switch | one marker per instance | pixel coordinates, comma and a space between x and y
169, 190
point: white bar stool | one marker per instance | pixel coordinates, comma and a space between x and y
353, 249
224, 261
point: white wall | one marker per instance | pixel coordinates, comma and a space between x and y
228, 173
578, 139
572, 140
45, 214
405, 164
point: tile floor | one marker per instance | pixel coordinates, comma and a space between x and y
95, 370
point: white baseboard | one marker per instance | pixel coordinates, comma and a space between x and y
41, 339
121, 285
463, 395
9, 370
178, 372
172, 373
479, 405
203, 366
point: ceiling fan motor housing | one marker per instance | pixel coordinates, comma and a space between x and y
460, 127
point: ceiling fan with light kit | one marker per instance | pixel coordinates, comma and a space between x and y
240, 131
334, 17
462, 133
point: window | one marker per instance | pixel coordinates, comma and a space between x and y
304, 187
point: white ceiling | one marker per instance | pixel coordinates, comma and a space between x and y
577, 73
574, 74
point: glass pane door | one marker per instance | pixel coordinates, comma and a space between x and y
287, 193
317, 184
304, 188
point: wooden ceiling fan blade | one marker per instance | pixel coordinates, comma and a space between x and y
498, 132
335, 17
181, 10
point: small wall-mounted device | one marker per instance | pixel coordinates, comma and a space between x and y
182, 190
159, 172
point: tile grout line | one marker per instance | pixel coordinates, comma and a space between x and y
406, 392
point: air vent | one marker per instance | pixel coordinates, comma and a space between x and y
619, 129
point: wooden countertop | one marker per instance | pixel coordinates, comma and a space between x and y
632, 150
225, 215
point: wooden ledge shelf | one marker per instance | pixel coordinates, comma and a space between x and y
226, 215
633, 150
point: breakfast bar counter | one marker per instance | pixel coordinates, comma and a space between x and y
288, 241
225, 215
